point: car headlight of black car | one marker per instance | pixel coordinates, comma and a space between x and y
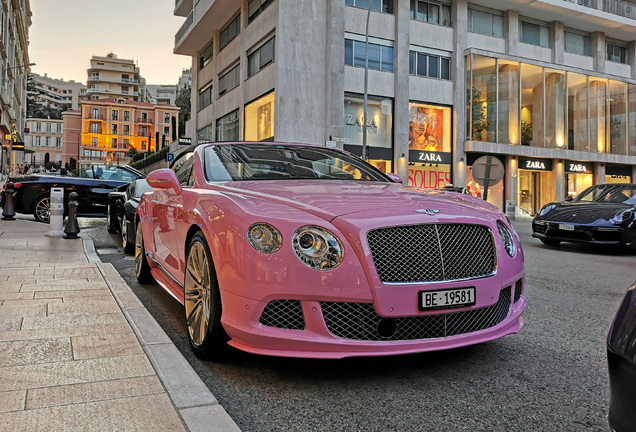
317, 247
546, 209
507, 239
622, 217
264, 238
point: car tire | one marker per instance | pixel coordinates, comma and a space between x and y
202, 303
551, 242
42, 209
126, 244
111, 219
142, 268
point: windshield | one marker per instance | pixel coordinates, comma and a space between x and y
609, 193
285, 162
141, 186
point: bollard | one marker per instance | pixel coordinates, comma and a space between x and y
56, 213
72, 228
8, 210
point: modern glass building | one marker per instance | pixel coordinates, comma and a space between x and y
547, 87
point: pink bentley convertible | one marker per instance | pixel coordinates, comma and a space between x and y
307, 251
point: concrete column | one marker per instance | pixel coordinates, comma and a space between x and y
599, 173
559, 174
401, 85
598, 51
512, 186
511, 31
631, 57
334, 68
459, 14
557, 39
633, 173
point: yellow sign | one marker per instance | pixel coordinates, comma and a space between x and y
8, 137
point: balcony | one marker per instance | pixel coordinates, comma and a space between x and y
195, 31
182, 7
145, 120
614, 7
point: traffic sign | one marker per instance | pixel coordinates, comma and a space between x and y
170, 157
488, 171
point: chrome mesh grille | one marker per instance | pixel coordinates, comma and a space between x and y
359, 321
432, 252
286, 314
518, 288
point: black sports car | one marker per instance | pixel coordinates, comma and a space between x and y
602, 214
621, 361
122, 206
33, 191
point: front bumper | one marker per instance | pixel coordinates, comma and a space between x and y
602, 235
315, 329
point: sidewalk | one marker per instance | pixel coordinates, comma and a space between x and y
78, 350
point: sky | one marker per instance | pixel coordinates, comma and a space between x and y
65, 34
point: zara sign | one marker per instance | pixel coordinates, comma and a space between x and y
578, 167
535, 164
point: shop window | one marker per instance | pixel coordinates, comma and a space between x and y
259, 119
532, 105
231, 31
227, 127
577, 112
379, 124
486, 23
616, 53
229, 80
431, 12
534, 34
430, 128
577, 43
260, 57
380, 55
376, 5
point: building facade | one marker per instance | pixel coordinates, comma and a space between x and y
548, 87
107, 129
15, 20
110, 77
43, 143
58, 93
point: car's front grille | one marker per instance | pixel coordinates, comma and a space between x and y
539, 228
286, 314
432, 252
359, 321
518, 290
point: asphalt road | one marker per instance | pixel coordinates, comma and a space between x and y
551, 376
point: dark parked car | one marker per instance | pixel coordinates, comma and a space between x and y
122, 206
33, 191
621, 360
602, 214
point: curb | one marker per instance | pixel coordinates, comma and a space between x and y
195, 404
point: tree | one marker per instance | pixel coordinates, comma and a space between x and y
33, 105
183, 102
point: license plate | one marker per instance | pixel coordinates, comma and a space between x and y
565, 227
449, 298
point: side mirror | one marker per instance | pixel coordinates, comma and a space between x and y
164, 178
396, 178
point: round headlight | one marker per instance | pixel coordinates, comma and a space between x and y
317, 248
546, 209
507, 239
264, 238
623, 216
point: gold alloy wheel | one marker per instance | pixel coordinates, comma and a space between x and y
42, 210
197, 293
139, 250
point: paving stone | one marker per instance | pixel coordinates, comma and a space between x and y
36, 310
143, 413
12, 401
34, 351
92, 392
200, 419
72, 294
62, 285
112, 345
29, 301
99, 305
14, 271
10, 324
36, 323
76, 272
4, 296
73, 372
15, 333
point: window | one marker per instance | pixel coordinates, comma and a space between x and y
380, 56
206, 55
126, 115
260, 57
126, 143
485, 23
166, 117
376, 5
205, 134
230, 32
616, 53
114, 129
205, 97
95, 113
58, 142
227, 127
183, 169
94, 142
431, 12
113, 143
577, 43
94, 128
429, 65
255, 7
144, 131
115, 115
229, 80
534, 34
166, 131
126, 130
259, 118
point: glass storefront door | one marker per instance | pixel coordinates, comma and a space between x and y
536, 188
577, 183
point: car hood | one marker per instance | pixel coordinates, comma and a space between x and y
333, 198
579, 212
